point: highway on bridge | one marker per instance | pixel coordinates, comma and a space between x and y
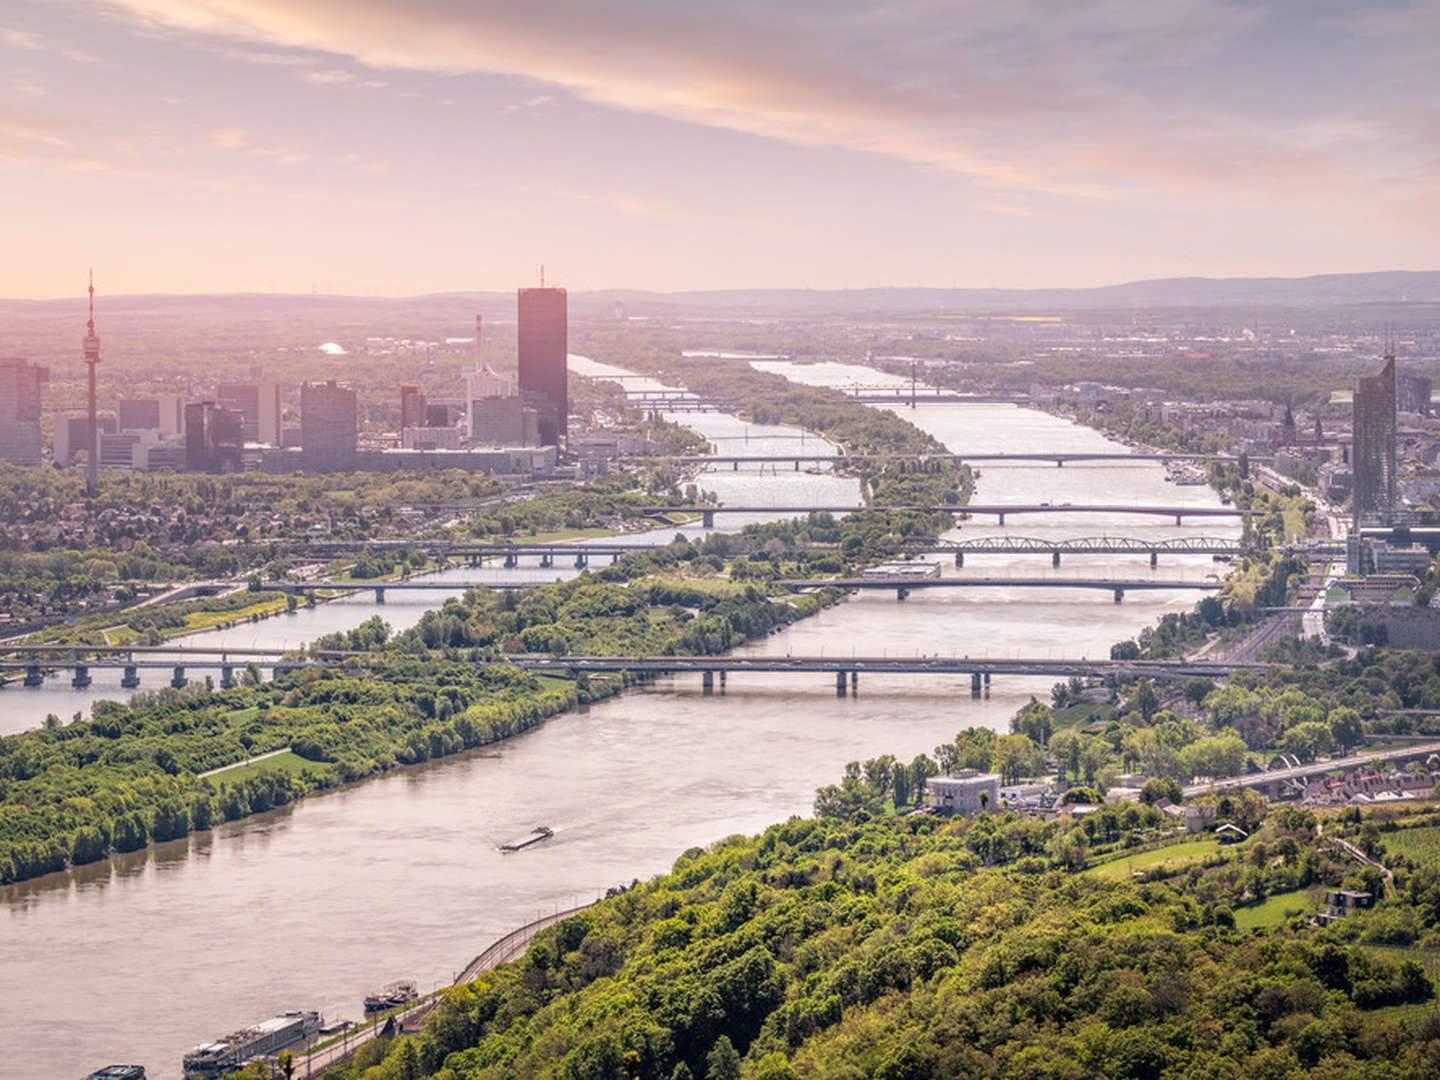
903, 585
1317, 768
825, 457
998, 510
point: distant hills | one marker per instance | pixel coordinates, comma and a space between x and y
1393, 287
1326, 290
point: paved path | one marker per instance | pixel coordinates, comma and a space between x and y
238, 764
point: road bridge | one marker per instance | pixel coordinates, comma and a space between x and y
848, 669
1276, 780
845, 669
673, 401
380, 588
1083, 545
997, 510
584, 553
823, 457
33, 669
904, 585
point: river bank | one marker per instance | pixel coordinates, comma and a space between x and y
627, 783
116, 757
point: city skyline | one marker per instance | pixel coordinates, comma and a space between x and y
370, 149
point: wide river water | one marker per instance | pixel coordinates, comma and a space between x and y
138, 958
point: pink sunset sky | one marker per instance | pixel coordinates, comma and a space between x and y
363, 146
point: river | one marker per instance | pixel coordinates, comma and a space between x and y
24, 707
141, 957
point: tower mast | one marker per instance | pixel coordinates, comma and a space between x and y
92, 357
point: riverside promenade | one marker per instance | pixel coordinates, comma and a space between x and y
506, 948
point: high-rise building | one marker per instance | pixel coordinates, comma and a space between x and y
214, 436
139, 414
1412, 394
1374, 457
412, 409
21, 384
259, 403
72, 434
543, 345
329, 426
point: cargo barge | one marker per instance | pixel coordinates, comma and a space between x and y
234, 1050
541, 833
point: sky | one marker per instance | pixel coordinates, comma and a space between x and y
387, 148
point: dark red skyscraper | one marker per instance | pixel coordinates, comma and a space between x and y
543, 368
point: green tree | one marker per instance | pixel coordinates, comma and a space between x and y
1144, 699
722, 1063
1196, 690
1307, 740
1160, 787
1035, 721
1065, 746
1346, 728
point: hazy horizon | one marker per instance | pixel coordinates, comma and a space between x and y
608, 290
363, 148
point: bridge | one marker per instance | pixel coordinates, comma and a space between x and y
998, 510
848, 669
34, 660
904, 585
380, 588
583, 553
683, 401
1085, 545
1058, 458
1278, 779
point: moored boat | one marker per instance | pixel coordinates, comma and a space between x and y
396, 993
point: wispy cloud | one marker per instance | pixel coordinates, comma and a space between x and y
229, 139
539, 101
328, 77
20, 39
1024, 96
25, 39
1010, 209
241, 140
269, 59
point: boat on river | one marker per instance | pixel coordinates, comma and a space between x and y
538, 835
234, 1050
397, 993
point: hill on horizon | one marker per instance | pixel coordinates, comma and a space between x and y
1324, 290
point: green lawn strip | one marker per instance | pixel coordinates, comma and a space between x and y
1170, 854
288, 762
1083, 715
1273, 910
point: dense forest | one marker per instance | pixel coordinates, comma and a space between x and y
911, 948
